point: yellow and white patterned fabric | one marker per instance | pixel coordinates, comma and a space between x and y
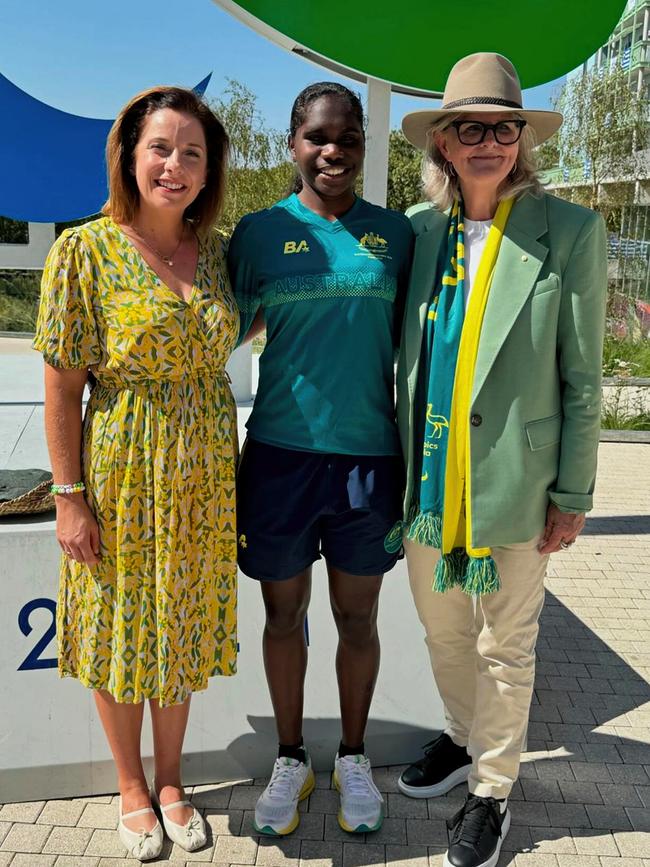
157, 616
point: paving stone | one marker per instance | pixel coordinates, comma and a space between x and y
278, 853
68, 841
200, 856
386, 778
632, 843
608, 818
530, 859
235, 850
245, 797
99, 816
61, 813
619, 795
542, 790
33, 860
324, 779
106, 843
401, 807
568, 815
217, 797
223, 821
311, 826
321, 853
333, 833
529, 813
27, 811
5, 858
324, 801
602, 753
640, 819
77, 861
436, 856
580, 793
407, 856
4, 830
359, 856
518, 839
592, 772
392, 831
552, 840
26, 838
623, 862
133, 862
629, 773
426, 832
595, 843
554, 770
644, 794
578, 860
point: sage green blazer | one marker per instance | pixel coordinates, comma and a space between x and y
535, 403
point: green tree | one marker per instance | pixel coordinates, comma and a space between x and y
604, 135
404, 173
13, 231
259, 172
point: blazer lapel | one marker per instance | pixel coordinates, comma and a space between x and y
423, 276
520, 260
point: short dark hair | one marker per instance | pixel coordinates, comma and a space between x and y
316, 91
123, 194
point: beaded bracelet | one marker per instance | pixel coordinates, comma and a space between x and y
76, 488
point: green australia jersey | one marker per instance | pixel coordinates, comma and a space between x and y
331, 295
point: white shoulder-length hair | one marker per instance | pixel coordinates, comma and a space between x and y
441, 186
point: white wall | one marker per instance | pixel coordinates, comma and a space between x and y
32, 255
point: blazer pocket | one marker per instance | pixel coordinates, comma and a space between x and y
544, 432
543, 287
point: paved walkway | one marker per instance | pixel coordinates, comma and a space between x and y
583, 799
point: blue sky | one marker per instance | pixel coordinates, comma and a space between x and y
88, 57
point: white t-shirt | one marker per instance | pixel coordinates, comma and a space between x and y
476, 232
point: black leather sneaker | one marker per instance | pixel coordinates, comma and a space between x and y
443, 766
476, 833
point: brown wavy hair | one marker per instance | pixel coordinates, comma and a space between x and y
123, 194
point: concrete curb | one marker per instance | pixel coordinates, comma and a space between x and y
625, 436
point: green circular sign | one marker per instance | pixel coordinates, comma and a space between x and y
415, 44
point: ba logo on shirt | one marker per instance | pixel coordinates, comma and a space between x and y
296, 247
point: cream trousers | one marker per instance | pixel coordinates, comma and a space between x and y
483, 658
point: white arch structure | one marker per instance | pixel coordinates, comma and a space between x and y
375, 176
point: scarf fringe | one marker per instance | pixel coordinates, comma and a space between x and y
426, 529
450, 571
482, 576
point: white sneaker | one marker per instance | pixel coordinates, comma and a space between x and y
276, 811
361, 801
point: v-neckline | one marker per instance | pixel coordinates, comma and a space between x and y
199, 261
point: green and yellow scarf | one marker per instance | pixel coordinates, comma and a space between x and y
441, 513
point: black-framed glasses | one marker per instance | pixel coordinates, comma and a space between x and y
473, 132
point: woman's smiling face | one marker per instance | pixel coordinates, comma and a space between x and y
170, 159
485, 164
328, 147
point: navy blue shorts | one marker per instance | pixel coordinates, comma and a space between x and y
292, 506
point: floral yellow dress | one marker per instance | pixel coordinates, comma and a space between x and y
157, 617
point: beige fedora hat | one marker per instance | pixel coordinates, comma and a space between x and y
481, 82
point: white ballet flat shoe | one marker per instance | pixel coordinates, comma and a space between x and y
143, 845
192, 835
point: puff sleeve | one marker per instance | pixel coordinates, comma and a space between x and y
243, 278
66, 329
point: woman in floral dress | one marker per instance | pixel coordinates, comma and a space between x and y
145, 484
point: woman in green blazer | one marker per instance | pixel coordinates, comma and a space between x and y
499, 415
